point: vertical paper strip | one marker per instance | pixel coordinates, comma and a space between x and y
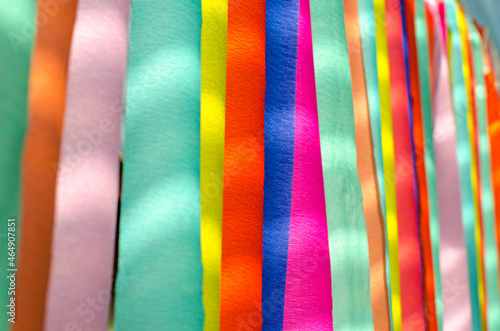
493, 101
212, 117
487, 199
308, 275
389, 163
367, 25
423, 199
81, 268
282, 19
344, 206
241, 275
422, 40
160, 265
468, 75
412, 301
367, 169
460, 102
455, 306
368, 44
47, 96
17, 25
493, 115
476, 180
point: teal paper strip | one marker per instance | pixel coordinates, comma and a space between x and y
487, 198
159, 284
422, 39
346, 222
17, 29
460, 101
368, 41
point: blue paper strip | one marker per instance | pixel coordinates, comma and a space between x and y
281, 61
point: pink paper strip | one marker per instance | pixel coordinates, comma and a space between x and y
88, 176
308, 293
453, 253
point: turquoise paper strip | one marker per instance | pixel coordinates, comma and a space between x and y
346, 222
421, 35
460, 101
367, 30
487, 198
17, 28
159, 285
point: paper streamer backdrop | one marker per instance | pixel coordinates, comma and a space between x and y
250, 165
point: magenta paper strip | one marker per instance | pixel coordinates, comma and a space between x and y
308, 298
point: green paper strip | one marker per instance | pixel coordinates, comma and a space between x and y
487, 199
422, 39
346, 223
17, 28
159, 284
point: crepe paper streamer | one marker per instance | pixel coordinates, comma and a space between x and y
470, 125
494, 134
487, 199
462, 25
389, 163
81, 269
41, 154
281, 61
425, 77
368, 41
412, 301
308, 275
476, 179
431, 231
431, 322
346, 224
413, 305
367, 171
17, 25
212, 117
241, 275
430, 31
493, 117
369, 47
406, 53
475, 153
495, 59
424, 29
480, 229
160, 265
442, 20
460, 101
455, 307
